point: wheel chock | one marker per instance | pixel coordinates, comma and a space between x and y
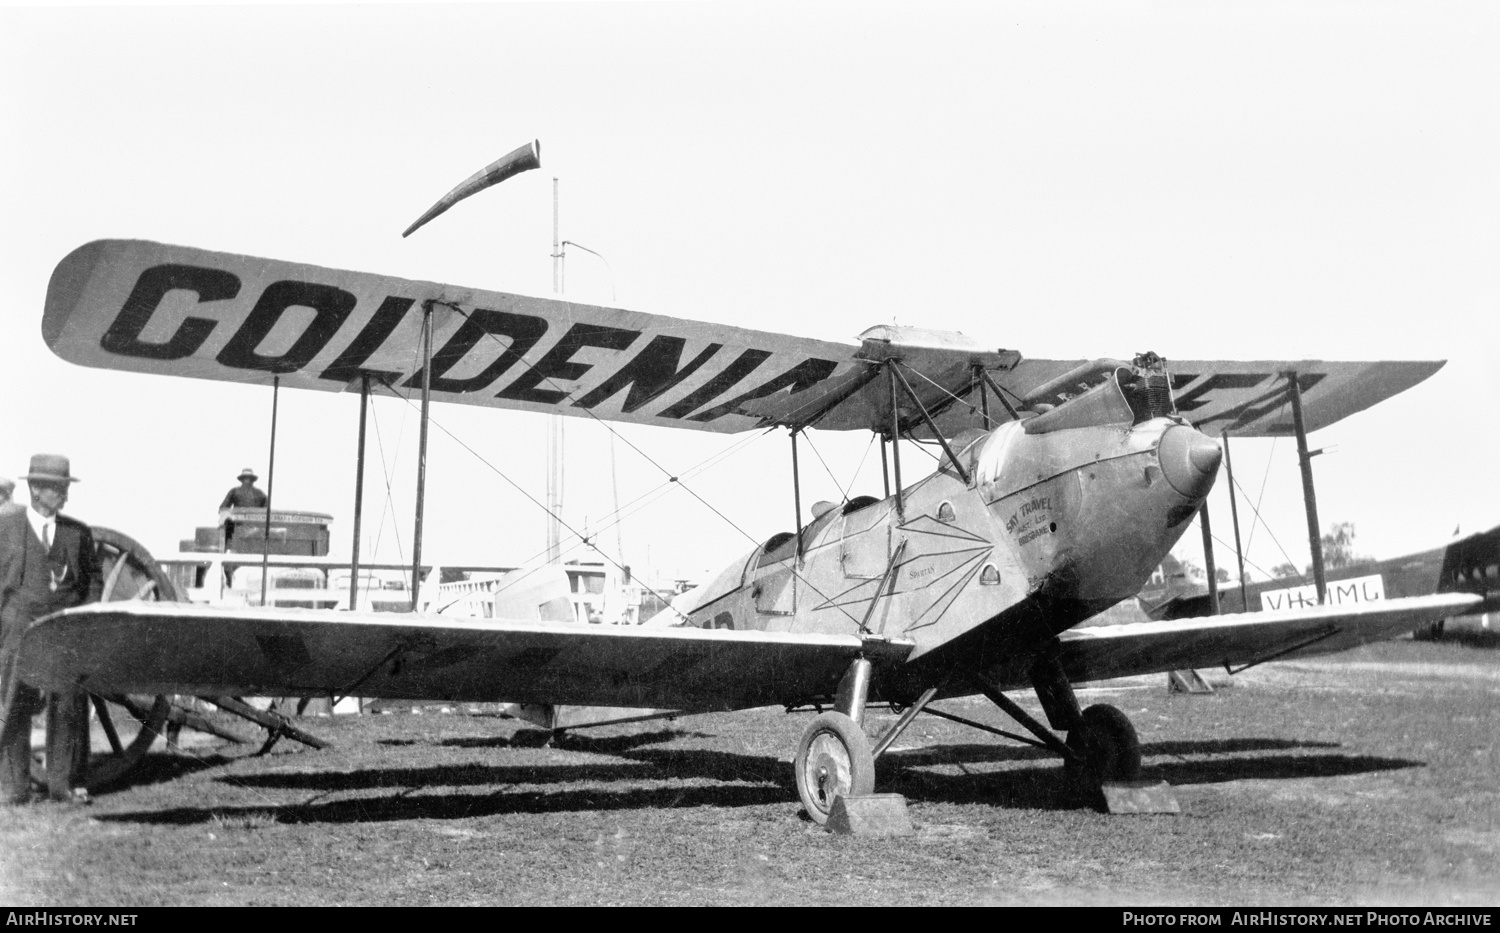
1139, 797
1187, 681
869, 815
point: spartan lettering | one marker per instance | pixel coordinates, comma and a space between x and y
742, 366
558, 364
331, 306
799, 377
124, 334
346, 368
522, 329
649, 374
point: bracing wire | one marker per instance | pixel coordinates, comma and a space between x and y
645, 456
636, 505
843, 490
1230, 545
869, 446
578, 539
973, 409
1275, 540
389, 503
1259, 519
1265, 478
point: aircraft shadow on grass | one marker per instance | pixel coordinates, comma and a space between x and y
407, 806
573, 741
910, 772
165, 767
740, 780
537, 738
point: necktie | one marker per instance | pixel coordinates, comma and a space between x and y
47, 536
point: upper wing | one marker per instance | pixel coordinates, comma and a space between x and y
173, 310
155, 647
1246, 638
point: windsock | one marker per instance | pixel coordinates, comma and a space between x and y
527, 157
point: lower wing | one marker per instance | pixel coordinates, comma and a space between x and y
1246, 638
165, 648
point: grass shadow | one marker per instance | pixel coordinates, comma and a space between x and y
161, 767
984, 752
1273, 768
1007, 775
1228, 746
1038, 781
638, 764
406, 780
413, 806
623, 744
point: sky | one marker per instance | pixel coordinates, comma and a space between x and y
1070, 180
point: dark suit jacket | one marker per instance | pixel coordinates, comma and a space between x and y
241, 498
34, 583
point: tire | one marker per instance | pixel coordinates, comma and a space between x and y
833, 759
1108, 746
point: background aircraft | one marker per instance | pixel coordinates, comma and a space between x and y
1060, 486
1469, 565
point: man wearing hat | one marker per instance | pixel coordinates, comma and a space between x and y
243, 496
47, 563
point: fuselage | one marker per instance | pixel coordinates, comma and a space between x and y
1053, 525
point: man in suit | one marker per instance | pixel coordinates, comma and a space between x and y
47, 563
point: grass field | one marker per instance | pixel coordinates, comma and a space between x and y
1367, 778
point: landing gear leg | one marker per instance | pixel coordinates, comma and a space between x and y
1102, 742
834, 758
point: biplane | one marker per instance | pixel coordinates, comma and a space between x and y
1467, 565
1060, 487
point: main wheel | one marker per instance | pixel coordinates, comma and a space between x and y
1108, 748
833, 758
130, 723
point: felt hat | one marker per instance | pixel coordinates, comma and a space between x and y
49, 468
248, 472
